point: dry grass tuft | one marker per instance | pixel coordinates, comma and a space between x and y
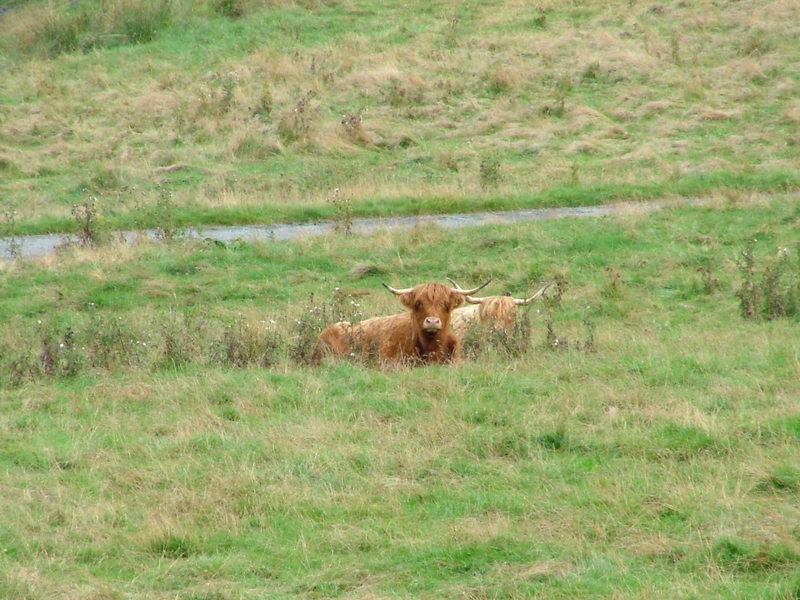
583, 147
542, 569
711, 114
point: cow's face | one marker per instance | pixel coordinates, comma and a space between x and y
430, 305
501, 311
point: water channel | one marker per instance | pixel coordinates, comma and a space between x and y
30, 246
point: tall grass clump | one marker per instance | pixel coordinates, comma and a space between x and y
343, 213
489, 172
771, 290
161, 215
314, 317
482, 340
95, 341
61, 32
246, 343
86, 218
139, 20
111, 343
9, 228
54, 28
229, 8
296, 126
353, 127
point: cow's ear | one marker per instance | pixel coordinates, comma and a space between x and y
456, 299
407, 299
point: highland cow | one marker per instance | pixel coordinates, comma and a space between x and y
421, 335
496, 312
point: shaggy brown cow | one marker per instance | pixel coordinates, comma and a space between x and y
497, 312
420, 335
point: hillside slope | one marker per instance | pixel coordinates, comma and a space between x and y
236, 110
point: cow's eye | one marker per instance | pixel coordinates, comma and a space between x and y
447, 307
417, 305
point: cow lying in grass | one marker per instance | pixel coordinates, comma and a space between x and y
495, 312
422, 334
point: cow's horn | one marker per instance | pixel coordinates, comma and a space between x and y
534, 297
396, 291
469, 299
467, 293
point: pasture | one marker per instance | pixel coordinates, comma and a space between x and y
163, 434
147, 453
231, 111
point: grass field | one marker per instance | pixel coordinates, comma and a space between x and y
256, 111
146, 453
162, 435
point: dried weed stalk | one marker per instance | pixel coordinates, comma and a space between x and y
773, 291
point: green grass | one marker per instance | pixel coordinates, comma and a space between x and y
161, 435
662, 464
147, 215
574, 105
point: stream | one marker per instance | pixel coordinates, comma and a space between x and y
29, 246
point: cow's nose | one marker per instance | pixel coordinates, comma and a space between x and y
432, 324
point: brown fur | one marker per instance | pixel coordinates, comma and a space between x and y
400, 338
497, 312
